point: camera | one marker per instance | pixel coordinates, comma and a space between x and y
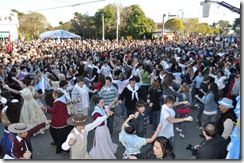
192, 149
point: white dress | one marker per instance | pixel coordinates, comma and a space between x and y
103, 146
31, 112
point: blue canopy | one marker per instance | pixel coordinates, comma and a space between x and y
58, 34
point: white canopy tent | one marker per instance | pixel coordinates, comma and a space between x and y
58, 34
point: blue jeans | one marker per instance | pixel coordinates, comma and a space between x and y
122, 109
154, 119
190, 98
200, 111
172, 141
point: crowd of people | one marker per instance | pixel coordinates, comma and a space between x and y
151, 81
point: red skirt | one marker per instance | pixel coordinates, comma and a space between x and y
183, 110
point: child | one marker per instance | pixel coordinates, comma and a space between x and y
77, 138
22, 148
3, 154
182, 110
7, 138
10, 113
140, 119
131, 141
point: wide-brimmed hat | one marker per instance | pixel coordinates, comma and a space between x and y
19, 127
78, 120
226, 102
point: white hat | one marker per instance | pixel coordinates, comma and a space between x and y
226, 102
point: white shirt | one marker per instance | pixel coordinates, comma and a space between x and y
84, 91
167, 128
106, 70
219, 81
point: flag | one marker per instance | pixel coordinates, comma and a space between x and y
58, 41
9, 45
118, 16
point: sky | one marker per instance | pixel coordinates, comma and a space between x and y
153, 9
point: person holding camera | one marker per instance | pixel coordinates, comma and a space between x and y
214, 146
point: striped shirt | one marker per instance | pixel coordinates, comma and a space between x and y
108, 94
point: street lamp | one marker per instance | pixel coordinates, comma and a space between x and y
182, 13
103, 27
163, 27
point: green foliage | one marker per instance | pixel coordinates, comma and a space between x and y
65, 26
209, 30
175, 25
224, 26
190, 26
216, 31
236, 25
135, 23
202, 29
32, 24
82, 25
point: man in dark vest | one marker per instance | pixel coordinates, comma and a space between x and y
227, 120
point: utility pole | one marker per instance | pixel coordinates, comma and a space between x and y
118, 23
103, 37
163, 27
182, 15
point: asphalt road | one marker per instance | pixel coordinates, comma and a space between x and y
43, 150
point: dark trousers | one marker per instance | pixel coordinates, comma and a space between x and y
110, 121
200, 111
129, 112
182, 125
59, 136
154, 119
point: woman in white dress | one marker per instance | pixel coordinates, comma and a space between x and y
31, 113
103, 147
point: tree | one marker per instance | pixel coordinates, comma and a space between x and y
191, 26
215, 30
236, 25
110, 21
32, 24
83, 25
65, 26
135, 23
209, 30
224, 26
202, 29
175, 25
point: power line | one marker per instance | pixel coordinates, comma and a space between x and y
66, 6
62, 1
